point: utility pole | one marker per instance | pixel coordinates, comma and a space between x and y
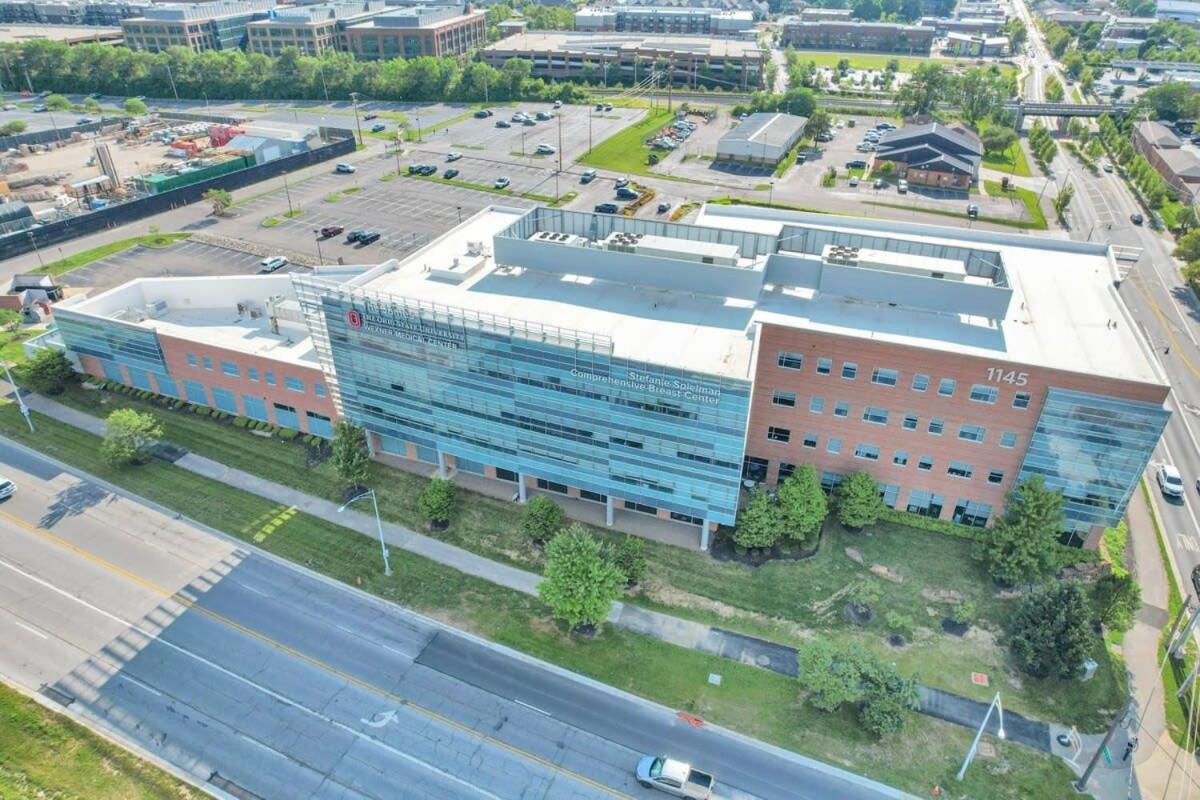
559, 141
288, 192
1081, 784
320, 258
670, 82
358, 123
171, 78
1185, 634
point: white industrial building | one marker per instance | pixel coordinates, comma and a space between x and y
762, 138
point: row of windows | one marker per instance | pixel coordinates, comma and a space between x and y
980, 393
870, 452
879, 416
231, 369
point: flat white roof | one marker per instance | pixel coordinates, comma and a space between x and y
1062, 312
668, 328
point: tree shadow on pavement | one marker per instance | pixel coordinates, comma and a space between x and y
72, 501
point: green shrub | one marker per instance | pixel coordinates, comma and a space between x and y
288, 434
630, 557
437, 500
902, 624
240, 422
963, 612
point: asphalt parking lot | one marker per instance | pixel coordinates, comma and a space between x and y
482, 138
181, 260
407, 212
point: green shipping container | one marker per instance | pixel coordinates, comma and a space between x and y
159, 183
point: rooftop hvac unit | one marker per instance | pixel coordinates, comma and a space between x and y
474, 248
156, 309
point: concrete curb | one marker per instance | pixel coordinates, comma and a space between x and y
591, 683
100, 727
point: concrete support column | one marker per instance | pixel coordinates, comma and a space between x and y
704, 529
521, 493
608, 511
441, 464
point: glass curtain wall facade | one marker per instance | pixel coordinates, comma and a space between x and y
1094, 449
535, 400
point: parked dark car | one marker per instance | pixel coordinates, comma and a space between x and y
625, 193
972, 211
529, 121
427, 169
607, 208
503, 123
450, 173
329, 231
857, 163
354, 236
1136, 218
378, 127
367, 237
369, 117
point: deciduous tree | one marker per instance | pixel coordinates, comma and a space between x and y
541, 519
580, 583
436, 501
48, 372
802, 504
351, 459
759, 523
129, 436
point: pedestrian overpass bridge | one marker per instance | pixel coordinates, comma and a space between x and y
1021, 109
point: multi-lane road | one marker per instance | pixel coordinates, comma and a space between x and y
252, 675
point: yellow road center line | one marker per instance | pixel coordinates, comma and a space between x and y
105, 564
1166, 326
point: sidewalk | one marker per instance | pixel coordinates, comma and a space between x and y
697, 636
1160, 764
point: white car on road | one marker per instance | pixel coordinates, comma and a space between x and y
1169, 481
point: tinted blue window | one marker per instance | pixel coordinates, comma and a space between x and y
294, 384
230, 369
195, 392
191, 357
110, 341
166, 386
208, 363
112, 371
319, 389
319, 425
269, 377
140, 378
1093, 449
252, 373
256, 408
224, 400
286, 416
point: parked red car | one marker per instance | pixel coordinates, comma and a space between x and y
329, 231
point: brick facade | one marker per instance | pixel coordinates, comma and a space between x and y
901, 400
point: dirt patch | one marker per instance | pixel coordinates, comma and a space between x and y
670, 596
724, 549
826, 608
887, 573
942, 595
854, 555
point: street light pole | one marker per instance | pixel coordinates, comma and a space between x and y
995, 704
387, 566
1081, 784
320, 258
357, 121
33, 241
20, 400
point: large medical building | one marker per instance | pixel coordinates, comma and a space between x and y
662, 368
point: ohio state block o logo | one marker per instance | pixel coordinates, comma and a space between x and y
354, 318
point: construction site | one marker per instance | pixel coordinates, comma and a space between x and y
131, 159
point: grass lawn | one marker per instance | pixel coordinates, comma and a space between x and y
1027, 196
1012, 160
867, 60
787, 601
750, 700
625, 151
47, 755
157, 240
11, 341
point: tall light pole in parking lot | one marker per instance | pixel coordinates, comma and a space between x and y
317, 235
357, 121
288, 192
20, 400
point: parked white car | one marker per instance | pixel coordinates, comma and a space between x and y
271, 264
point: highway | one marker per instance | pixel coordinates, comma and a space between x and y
239, 668
1167, 312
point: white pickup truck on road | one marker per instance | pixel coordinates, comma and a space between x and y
675, 778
